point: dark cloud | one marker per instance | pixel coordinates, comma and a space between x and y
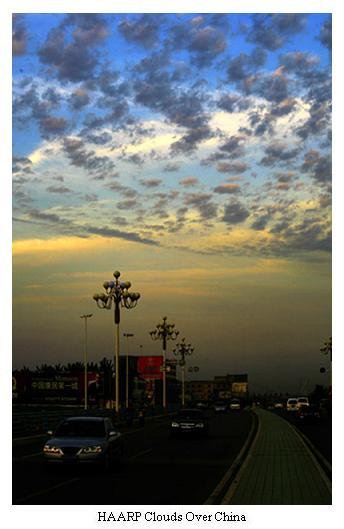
80, 157
233, 102
79, 99
297, 62
234, 213
319, 167
151, 182
52, 126
271, 31
143, 30
202, 202
318, 121
325, 36
278, 152
171, 167
231, 167
260, 222
59, 189
113, 232
229, 188
189, 181
20, 165
19, 35
99, 139
127, 204
68, 47
46, 217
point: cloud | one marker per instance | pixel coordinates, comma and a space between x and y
202, 202
271, 31
59, 189
234, 213
229, 188
319, 167
143, 30
79, 99
69, 52
19, 35
325, 36
232, 167
151, 182
189, 181
277, 152
52, 126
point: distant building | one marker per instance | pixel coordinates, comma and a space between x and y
225, 386
199, 389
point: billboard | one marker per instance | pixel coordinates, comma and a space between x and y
150, 367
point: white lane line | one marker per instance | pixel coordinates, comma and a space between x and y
141, 453
49, 489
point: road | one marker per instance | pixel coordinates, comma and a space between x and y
156, 469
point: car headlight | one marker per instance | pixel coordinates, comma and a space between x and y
199, 425
175, 425
48, 449
90, 450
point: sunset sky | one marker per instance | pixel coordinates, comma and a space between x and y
192, 152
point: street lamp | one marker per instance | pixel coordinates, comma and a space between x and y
181, 350
127, 335
118, 292
327, 348
85, 317
164, 331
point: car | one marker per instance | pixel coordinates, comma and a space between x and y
292, 405
234, 405
84, 440
308, 413
220, 406
302, 401
278, 405
188, 422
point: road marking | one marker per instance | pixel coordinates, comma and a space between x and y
143, 452
27, 456
49, 489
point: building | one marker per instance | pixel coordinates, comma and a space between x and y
226, 387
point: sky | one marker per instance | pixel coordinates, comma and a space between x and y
192, 152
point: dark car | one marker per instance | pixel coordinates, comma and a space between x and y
84, 440
308, 413
189, 421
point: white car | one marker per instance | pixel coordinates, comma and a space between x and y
292, 404
302, 401
234, 404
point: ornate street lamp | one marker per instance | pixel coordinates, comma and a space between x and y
164, 331
182, 350
85, 317
127, 335
117, 292
327, 348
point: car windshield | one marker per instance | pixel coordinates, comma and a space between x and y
292, 401
81, 429
190, 414
303, 399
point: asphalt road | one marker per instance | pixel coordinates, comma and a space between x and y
156, 469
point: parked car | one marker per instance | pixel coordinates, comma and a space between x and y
189, 421
84, 440
308, 413
234, 405
292, 405
302, 401
220, 406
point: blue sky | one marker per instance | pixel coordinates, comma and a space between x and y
191, 144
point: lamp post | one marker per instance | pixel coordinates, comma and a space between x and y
181, 350
164, 331
85, 317
117, 292
127, 335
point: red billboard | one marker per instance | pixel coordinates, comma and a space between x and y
150, 367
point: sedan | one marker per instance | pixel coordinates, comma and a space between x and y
84, 440
189, 421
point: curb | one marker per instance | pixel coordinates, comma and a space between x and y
221, 489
